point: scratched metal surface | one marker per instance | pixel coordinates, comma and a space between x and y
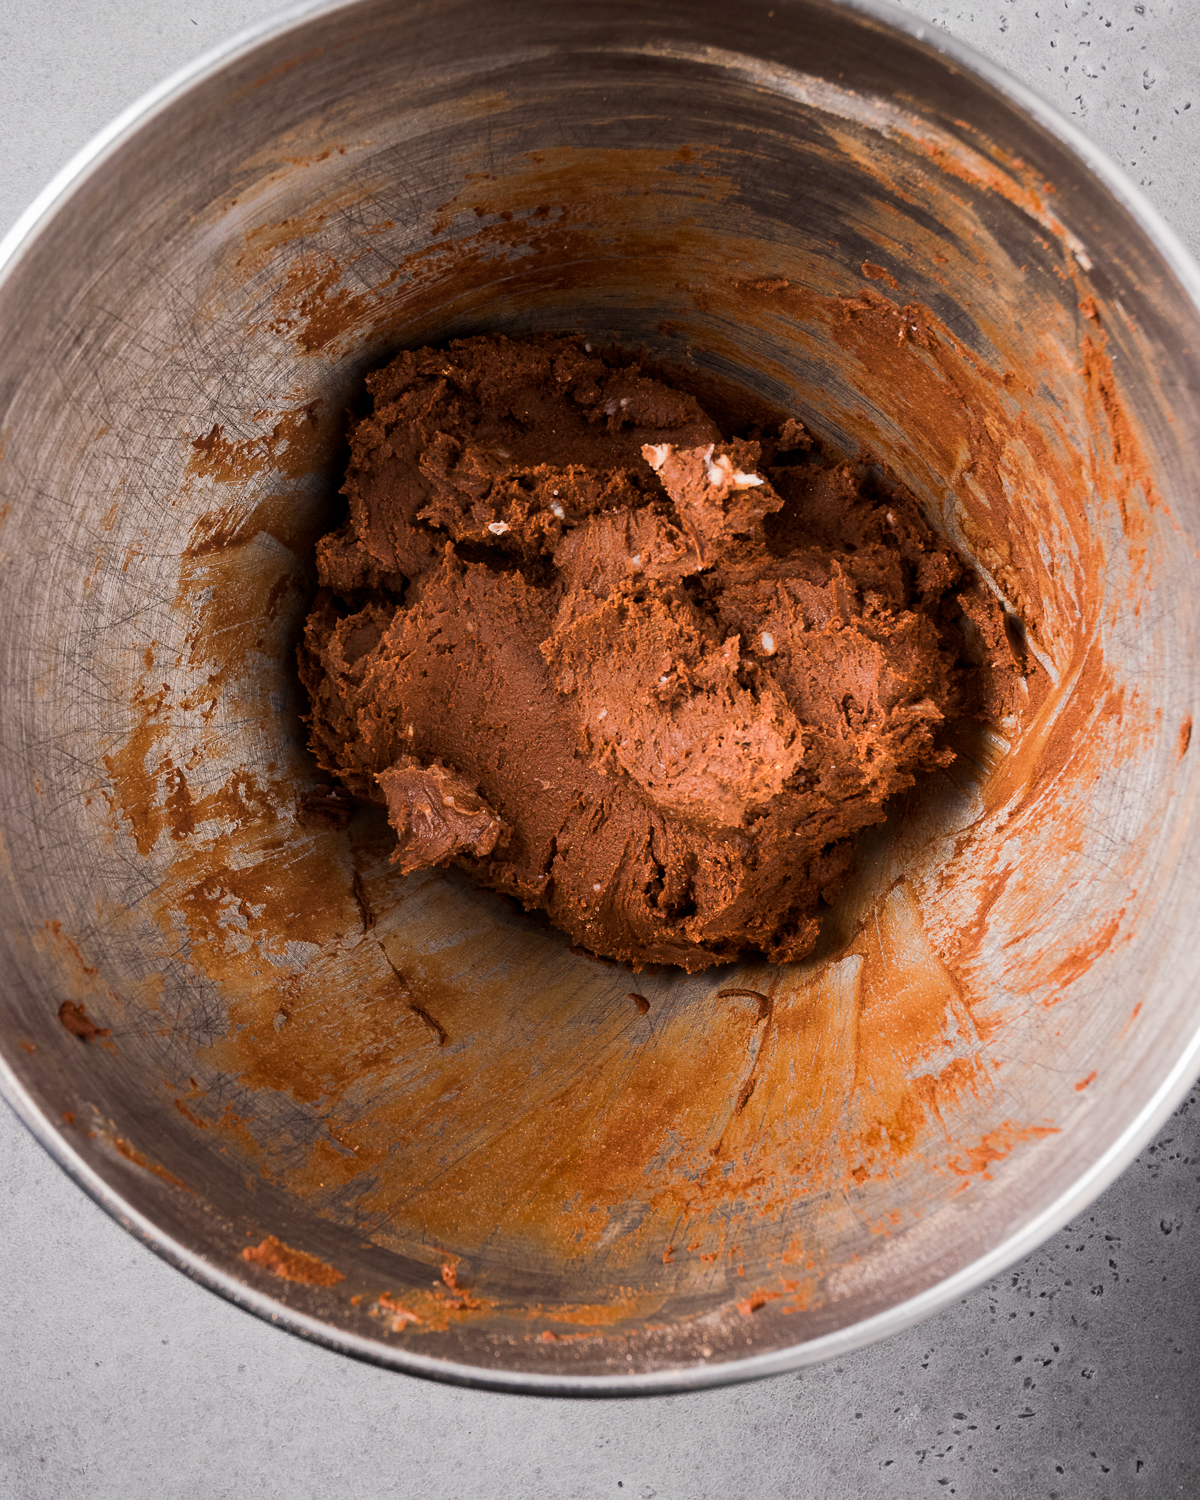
396, 1077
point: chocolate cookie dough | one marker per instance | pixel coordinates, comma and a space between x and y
641, 676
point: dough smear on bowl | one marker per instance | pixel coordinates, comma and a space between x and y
633, 672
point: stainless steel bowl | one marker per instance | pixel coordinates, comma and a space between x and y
399, 1117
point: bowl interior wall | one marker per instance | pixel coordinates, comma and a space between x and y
996, 996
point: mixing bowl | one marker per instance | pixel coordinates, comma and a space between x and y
399, 1116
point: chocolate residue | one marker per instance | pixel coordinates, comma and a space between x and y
131, 1153
79, 1023
285, 447
436, 1027
764, 1001
292, 1265
638, 675
878, 273
461, 1297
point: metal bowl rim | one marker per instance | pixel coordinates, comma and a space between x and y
22, 237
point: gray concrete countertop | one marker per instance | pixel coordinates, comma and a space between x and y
1076, 1376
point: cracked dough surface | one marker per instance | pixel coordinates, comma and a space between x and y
630, 670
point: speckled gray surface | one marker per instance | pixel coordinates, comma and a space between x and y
1074, 1377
